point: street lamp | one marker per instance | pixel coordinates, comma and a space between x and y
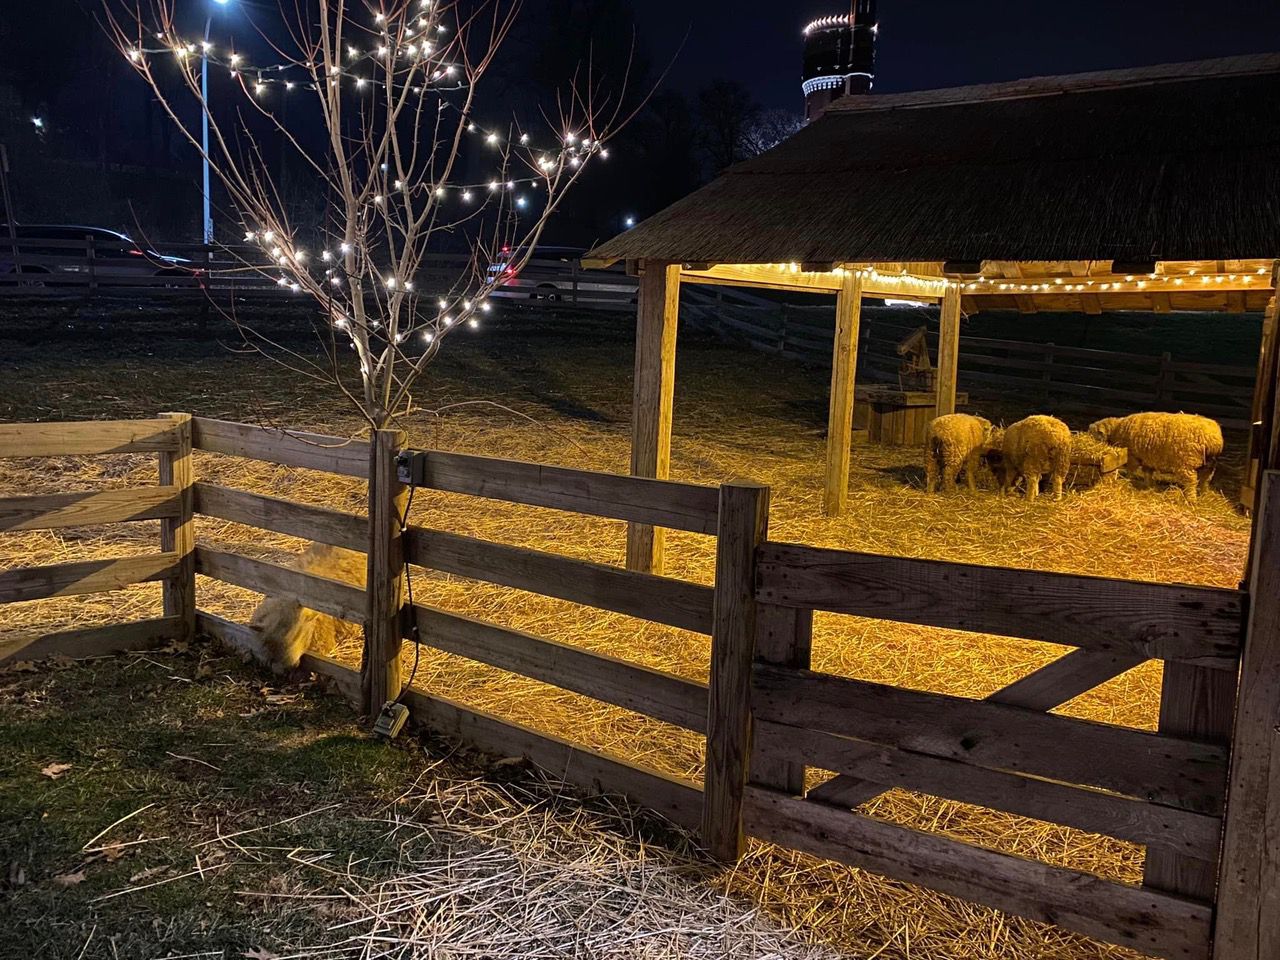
204, 122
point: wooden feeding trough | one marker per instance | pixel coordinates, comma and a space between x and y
1094, 462
900, 418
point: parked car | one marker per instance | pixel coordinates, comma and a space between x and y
59, 255
554, 273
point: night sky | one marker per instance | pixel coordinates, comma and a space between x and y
932, 43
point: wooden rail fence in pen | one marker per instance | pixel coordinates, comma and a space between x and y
1200, 793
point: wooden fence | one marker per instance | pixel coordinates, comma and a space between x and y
1212, 849
1101, 379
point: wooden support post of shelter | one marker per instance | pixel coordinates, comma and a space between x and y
384, 596
948, 351
1248, 918
178, 534
844, 367
657, 314
744, 525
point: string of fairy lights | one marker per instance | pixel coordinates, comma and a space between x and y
410, 53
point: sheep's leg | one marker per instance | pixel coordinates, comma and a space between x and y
1205, 476
971, 471
950, 472
1033, 485
1186, 479
1057, 486
930, 474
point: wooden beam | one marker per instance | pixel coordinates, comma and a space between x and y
744, 525
1248, 922
948, 352
86, 576
55, 511
384, 597
844, 367
90, 641
178, 534
764, 277
85, 438
657, 316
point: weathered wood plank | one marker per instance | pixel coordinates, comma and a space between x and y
663, 503
337, 599
55, 511
311, 451
1054, 684
91, 641
86, 438
1165, 770
652, 407
659, 599
83, 577
1248, 922
948, 351
744, 525
384, 597
844, 369
178, 534
1201, 625
784, 638
321, 525
1195, 704
656, 694
1180, 831
1148, 921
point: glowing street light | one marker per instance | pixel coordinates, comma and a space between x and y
204, 122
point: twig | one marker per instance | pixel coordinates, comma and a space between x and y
105, 830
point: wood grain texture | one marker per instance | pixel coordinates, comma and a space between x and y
1044, 689
1178, 831
651, 692
663, 503
384, 598
948, 351
178, 534
1201, 625
659, 599
83, 577
56, 511
347, 530
1177, 773
1248, 923
91, 641
1153, 923
311, 451
744, 524
86, 438
652, 406
337, 599
1195, 704
784, 638
844, 369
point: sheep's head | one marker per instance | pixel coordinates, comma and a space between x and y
993, 439
1102, 429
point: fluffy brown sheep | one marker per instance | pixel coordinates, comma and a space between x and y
953, 441
288, 629
1034, 447
1184, 445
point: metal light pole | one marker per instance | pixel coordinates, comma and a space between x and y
204, 123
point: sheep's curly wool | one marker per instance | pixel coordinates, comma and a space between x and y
1034, 447
1185, 445
287, 629
953, 441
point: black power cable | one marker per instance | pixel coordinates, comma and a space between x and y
414, 634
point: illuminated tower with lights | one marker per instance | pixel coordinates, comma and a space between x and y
839, 56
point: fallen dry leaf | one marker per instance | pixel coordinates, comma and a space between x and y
175, 646
147, 874
54, 770
21, 666
260, 954
60, 662
69, 879
203, 672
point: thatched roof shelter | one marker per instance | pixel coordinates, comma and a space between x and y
1149, 189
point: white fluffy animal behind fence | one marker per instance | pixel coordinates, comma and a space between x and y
287, 629
1032, 448
953, 441
1185, 445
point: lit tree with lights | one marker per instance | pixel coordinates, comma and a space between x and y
394, 84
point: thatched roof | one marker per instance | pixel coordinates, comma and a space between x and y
1173, 163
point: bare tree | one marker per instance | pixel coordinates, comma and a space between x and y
392, 141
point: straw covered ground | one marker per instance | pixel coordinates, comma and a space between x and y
563, 392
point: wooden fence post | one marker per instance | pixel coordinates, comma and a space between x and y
784, 638
1248, 901
744, 524
179, 534
384, 593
